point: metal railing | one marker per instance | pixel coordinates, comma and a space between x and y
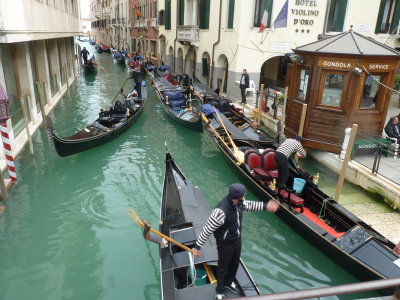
336, 290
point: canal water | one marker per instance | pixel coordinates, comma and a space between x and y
66, 233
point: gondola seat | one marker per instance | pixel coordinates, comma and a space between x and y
294, 199
269, 163
254, 161
173, 95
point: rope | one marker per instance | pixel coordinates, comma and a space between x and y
377, 80
322, 212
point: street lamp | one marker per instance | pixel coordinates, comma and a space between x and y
4, 106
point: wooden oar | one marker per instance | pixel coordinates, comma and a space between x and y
141, 224
119, 91
235, 149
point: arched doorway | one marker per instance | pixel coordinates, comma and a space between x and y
162, 49
205, 67
273, 72
220, 70
179, 61
170, 57
190, 62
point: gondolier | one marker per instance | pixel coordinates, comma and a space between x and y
287, 148
225, 222
136, 74
84, 54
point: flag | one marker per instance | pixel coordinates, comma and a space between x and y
281, 19
138, 13
264, 21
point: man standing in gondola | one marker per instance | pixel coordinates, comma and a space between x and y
225, 222
84, 54
136, 74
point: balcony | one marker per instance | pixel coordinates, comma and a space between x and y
188, 34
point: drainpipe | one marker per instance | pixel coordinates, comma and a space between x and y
217, 42
176, 37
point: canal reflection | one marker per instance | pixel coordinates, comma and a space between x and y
67, 235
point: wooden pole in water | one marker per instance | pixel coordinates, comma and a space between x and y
41, 103
301, 125
4, 193
261, 97
346, 161
284, 110
26, 121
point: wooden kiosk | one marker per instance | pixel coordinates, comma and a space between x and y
338, 80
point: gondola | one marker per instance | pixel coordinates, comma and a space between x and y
98, 48
235, 121
105, 48
184, 211
105, 128
90, 66
119, 58
178, 102
338, 233
91, 42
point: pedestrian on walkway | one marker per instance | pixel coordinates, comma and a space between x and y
244, 84
282, 154
225, 222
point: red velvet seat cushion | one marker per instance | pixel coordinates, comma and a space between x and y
253, 159
269, 161
294, 199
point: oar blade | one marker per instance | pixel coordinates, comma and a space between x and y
136, 217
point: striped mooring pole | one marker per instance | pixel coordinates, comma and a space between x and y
8, 151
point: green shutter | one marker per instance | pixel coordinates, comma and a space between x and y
204, 14
341, 15
202, 9
396, 18
331, 14
231, 13
380, 16
167, 14
268, 6
181, 16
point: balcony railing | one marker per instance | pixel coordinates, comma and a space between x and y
188, 33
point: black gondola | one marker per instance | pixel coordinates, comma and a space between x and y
178, 103
235, 122
90, 66
352, 243
184, 211
107, 127
98, 48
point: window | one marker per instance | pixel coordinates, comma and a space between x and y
181, 12
303, 85
231, 13
388, 16
337, 12
333, 89
161, 17
261, 7
155, 9
204, 14
167, 14
370, 92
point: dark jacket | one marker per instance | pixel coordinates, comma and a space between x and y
137, 76
232, 227
246, 81
391, 131
84, 53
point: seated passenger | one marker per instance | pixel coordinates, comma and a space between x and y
392, 128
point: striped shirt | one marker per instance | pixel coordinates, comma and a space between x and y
291, 146
217, 219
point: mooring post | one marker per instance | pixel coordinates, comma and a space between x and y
4, 193
347, 156
301, 125
26, 121
223, 83
41, 103
284, 111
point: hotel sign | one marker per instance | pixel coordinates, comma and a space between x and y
304, 16
336, 64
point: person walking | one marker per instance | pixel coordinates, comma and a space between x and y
244, 84
84, 54
225, 222
282, 154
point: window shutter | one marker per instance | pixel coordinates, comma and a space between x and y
342, 13
181, 20
231, 13
268, 5
380, 16
395, 18
331, 15
207, 15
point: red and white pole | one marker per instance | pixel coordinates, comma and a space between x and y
8, 151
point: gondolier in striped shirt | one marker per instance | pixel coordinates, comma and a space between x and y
282, 154
225, 222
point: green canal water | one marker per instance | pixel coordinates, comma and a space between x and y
66, 233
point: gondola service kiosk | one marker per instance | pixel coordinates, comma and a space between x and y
342, 80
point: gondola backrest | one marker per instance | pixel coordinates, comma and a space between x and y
269, 161
253, 159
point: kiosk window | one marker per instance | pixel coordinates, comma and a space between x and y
333, 89
302, 93
370, 91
